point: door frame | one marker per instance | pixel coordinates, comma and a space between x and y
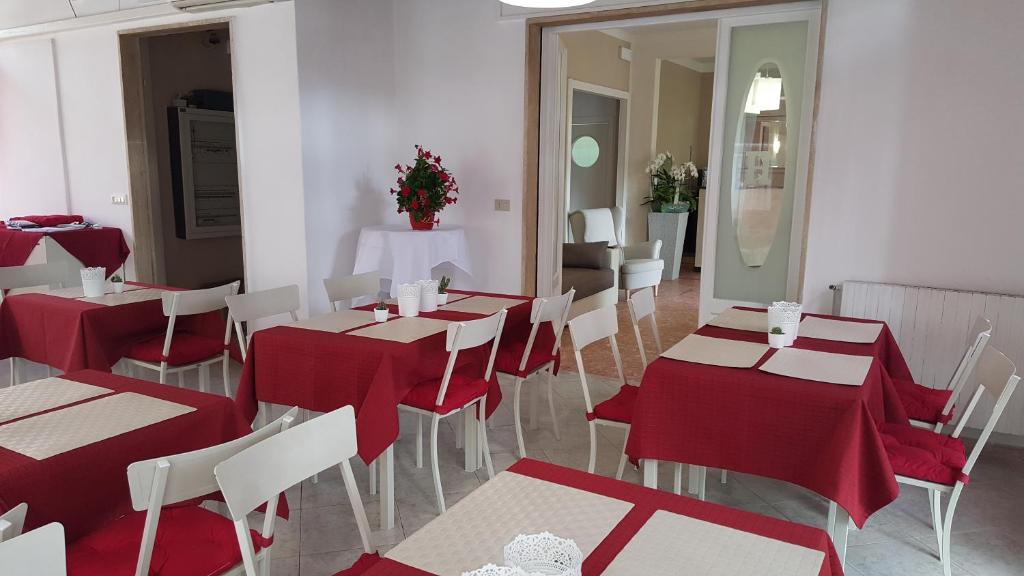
537, 46
709, 305
622, 138
147, 233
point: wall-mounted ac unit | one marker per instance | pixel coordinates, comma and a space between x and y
210, 5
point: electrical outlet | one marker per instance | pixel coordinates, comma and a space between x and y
502, 205
119, 199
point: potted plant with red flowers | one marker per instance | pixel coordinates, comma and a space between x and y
424, 189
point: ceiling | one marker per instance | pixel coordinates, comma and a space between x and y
19, 13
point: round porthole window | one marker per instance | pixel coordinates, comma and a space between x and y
585, 152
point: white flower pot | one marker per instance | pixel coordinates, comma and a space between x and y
442, 298
428, 295
94, 282
408, 306
118, 287
777, 340
380, 315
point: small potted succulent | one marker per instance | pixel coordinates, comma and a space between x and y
380, 313
118, 282
442, 290
777, 338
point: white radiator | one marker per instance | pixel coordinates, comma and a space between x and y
931, 326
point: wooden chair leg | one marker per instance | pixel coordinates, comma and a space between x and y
204, 378
419, 441
551, 404
935, 501
725, 476
482, 427
163, 373
534, 393
460, 425
373, 477
14, 371
622, 459
226, 374
516, 416
435, 465
677, 480
593, 448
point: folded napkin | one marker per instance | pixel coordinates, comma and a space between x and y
47, 221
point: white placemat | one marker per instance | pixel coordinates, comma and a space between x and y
53, 433
129, 297
819, 366
31, 397
742, 320
403, 330
475, 531
716, 351
482, 305
452, 298
839, 330
337, 322
671, 544
69, 292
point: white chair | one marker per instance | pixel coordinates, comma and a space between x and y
454, 393
639, 265
348, 288
36, 553
13, 521
616, 412
176, 352
258, 305
259, 474
941, 464
184, 531
641, 305
933, 407
13, 277
522, 361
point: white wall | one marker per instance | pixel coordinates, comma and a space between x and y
267, 114
346, 79
30, 131
377, 77
917, 176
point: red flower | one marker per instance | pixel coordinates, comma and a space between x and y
405, 191
445, 177
437, 159
415, 204
427, 155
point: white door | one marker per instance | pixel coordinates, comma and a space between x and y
760, 143
594, 151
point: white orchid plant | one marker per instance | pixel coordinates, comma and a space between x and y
672, 183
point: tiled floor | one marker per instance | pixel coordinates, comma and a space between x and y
321, 537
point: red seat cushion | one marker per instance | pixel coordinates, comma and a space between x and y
618, 408
364, 563
186, 348
508, 358
924, 455
922, 403
190, 541
461, 391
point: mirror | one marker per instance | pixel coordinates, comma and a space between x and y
758, 183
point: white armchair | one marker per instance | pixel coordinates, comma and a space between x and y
637, 265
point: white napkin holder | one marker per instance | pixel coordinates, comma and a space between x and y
545, 554
428, 295
94, 282
409, 300
785, 315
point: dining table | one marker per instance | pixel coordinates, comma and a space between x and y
61, 328
621, 529
820, 435
92, 246
333, 360
66, 442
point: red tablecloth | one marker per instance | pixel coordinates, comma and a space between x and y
91, 246
823, 437
646, 502
321, 371
86, 487
70, 334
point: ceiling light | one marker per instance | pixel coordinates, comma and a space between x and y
546, 3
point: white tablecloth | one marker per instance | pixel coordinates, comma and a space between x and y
404, 255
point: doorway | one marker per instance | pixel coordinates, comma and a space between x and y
182, 155
598, 134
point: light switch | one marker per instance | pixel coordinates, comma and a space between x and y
502, 205
119, 199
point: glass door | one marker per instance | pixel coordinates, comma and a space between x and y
760, 144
